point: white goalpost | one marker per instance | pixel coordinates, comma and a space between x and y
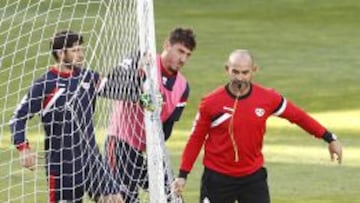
114, 31
152, 119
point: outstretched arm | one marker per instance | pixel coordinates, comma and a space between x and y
296, 115
124, 82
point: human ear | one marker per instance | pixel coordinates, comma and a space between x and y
166, 44
255, 68
60, 55
226, 66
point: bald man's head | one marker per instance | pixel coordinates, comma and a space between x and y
240, 68
240, 57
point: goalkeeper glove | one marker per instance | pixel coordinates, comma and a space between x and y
146, 102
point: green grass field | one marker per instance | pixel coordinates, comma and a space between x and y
307, 50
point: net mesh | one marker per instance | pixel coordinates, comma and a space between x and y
111, 34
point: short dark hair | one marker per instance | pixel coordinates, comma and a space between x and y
64, 39
183, 36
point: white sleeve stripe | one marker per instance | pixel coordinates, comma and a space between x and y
197, 117
52, 101
220, 120
281, 109
102, 84
23, 101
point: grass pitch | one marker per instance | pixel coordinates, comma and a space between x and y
307, 50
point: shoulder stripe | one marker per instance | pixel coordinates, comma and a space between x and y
281, 108
52, 101
220, 120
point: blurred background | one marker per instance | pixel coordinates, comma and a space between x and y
307, 50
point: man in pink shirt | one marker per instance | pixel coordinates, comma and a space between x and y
125, 145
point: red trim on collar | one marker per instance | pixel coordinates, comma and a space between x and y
56, 71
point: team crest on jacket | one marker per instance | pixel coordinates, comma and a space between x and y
259, 112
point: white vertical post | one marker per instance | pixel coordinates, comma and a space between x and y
153, 126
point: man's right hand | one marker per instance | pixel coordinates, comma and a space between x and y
178, 185
28, 159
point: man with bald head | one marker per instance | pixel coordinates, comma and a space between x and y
231, 123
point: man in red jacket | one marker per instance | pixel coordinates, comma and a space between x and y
231, 124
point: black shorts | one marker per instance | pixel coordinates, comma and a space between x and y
220, 188
128, 166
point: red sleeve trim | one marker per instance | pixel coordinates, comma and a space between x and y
22, 146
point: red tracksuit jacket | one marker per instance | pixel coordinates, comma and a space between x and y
219, 116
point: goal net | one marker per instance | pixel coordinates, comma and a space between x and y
118, 42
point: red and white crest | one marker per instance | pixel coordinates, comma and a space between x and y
259, 112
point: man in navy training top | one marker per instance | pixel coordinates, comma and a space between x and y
64, 97
231, 123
